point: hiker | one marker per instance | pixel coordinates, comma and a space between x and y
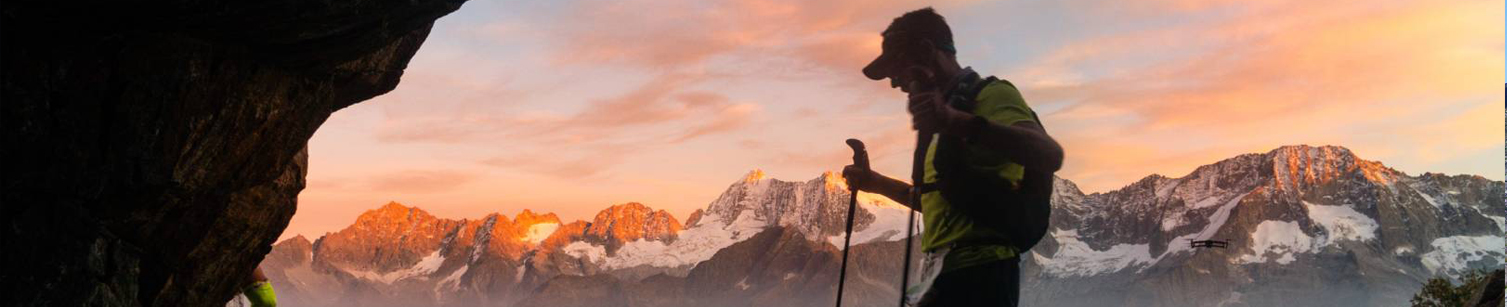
981, 156
259, 290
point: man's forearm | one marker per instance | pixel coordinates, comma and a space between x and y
1024, 143
894, 189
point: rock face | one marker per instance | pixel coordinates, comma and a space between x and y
630, 222
154, 150
629, 253
1489, 294
817, 208
386, 239
1307, 226
402, 256
694, 218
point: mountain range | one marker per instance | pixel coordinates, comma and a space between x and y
1307, 226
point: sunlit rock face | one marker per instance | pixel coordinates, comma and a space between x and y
620, 224
154, 150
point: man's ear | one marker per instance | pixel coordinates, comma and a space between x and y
926, 46
932, 54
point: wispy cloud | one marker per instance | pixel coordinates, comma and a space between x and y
665, 101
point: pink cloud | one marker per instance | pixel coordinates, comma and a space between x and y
662, 102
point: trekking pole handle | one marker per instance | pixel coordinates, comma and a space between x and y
860, 155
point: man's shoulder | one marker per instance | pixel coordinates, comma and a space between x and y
1000, 101
1000, 91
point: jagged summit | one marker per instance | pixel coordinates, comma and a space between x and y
391, 205
816, 207
1328, 149
394, 213
528, 217
833, 180
1295, 166
627, 222
295, 240
1290, 166
754, 175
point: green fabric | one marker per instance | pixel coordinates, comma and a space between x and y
261, 295
1001, 104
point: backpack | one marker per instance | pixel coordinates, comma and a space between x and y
1021, 212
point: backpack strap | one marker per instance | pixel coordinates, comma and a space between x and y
963, 97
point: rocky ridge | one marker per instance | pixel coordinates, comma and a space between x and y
465, 262
1307, 226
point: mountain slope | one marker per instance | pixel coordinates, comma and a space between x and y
1307, 226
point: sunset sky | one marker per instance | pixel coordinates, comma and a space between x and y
572, 106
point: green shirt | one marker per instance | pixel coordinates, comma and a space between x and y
261, 295
1001, 104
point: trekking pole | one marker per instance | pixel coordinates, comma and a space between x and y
910, 230
916, 177
861, 160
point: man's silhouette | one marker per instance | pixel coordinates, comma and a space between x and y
969, 260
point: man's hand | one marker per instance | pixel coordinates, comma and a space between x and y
873, 182
930, 113
858, 178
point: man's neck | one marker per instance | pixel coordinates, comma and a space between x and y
954, 75
948, 74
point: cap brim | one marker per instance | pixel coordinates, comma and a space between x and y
874, 71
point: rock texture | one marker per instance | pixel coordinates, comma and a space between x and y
1488, 294
153, 150
397, 255
628, 253
694, 219
1307, 226
630, 222
817, 207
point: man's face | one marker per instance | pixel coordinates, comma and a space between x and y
896, 62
